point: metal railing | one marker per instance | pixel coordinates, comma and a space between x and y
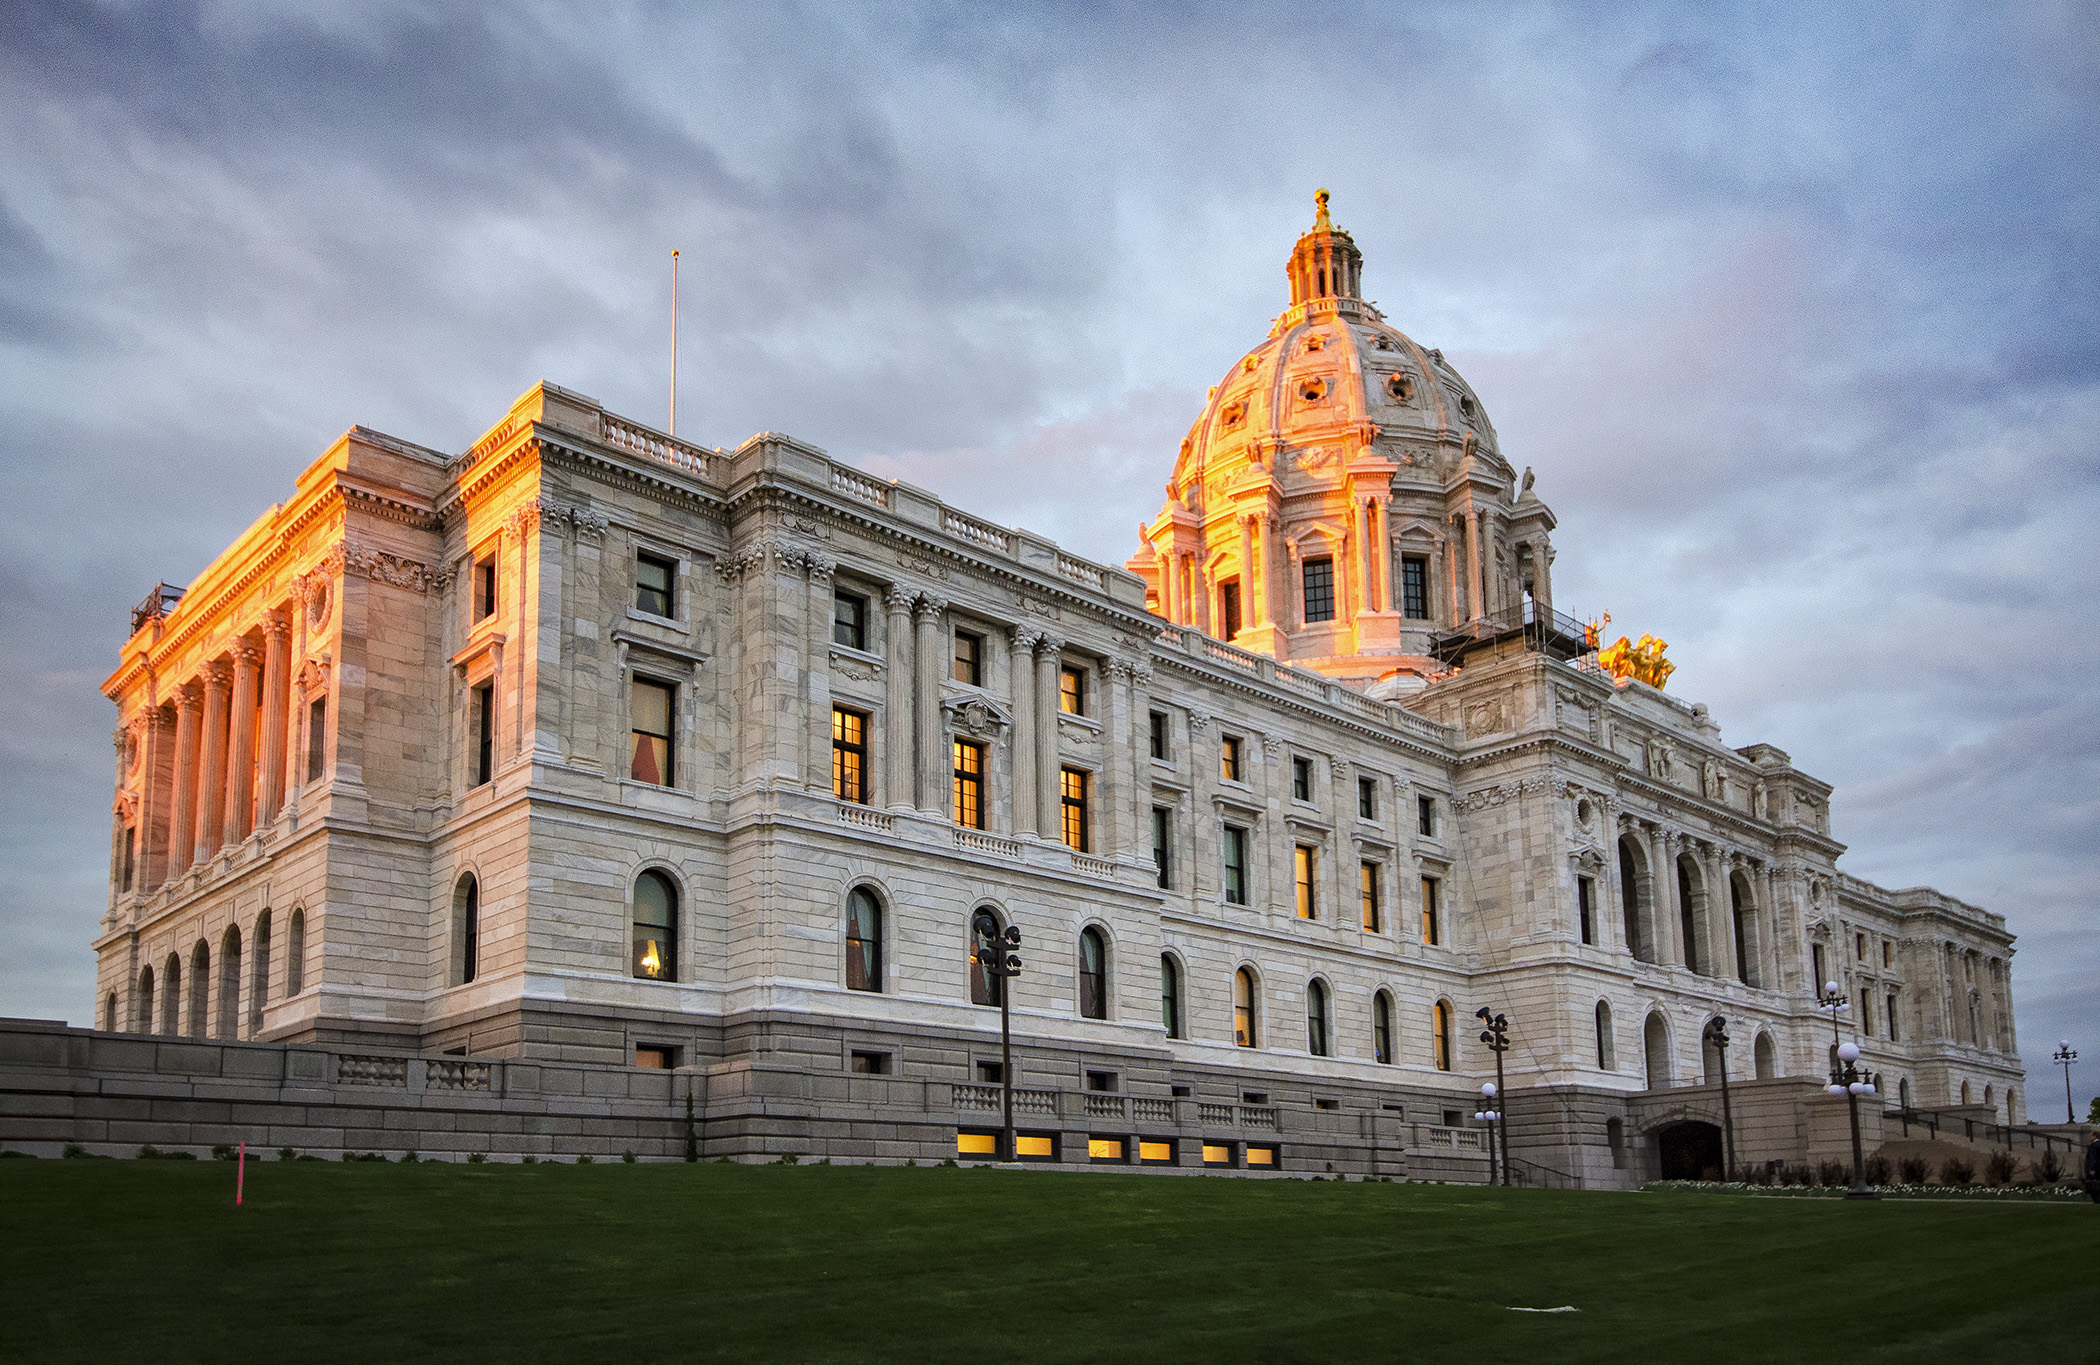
1994, 1134
155, 605
1542, 630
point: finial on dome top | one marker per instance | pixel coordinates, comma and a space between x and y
1325, 264
1321, 222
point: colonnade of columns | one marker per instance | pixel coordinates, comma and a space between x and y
1702, 935
228, 776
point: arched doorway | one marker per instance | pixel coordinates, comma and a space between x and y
1689, 1150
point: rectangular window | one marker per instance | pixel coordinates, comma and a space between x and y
1159, 735
1071, 788
871, 1063
969, 658
1892, 1018
1432, 912
652, 1058
650, 707
1319, 590
1228, 611
1163, 844
1071, 690
1305, 869
1367, 797
131, 856
654, 592
1888, 956
1425, 816
482, 702
1235, 865
485, 587
849, 755
1369, 879
1585, 903
1815, 952
969, 784
1860, 942
1301, 780
989, 1073
1414, 587
849, 620
1229, 767
316, 738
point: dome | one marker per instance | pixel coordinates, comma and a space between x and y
1327, 505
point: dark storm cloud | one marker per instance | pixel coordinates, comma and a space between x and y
1796, 315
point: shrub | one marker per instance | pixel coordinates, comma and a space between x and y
474, 1158
584, 1160
1912, 1170
787, 1159
74, 1151
17, 1156
287, 1154
1878, 1170
408, 1158
222, 1151
2051, 1167
1832, 1173
151, 1153
531, 1160
1957, 1170
628, 1157
1999, 1169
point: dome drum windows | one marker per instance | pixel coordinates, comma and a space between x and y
1233, 413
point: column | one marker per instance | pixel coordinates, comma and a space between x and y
1118, 748
1366, 561
1770, 962
896, 710
1049, 810
1263, 574
276, 694
1247, 593
211, 789
1020, 665
240, 763
932, 763
182, 838
816, 673
1381, 505
1451, 578
1476, 571
1199, 588
1542, 575
1662, 862
1720, 914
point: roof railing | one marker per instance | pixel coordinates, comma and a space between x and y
155, 605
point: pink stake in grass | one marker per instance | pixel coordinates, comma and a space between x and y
240, 1174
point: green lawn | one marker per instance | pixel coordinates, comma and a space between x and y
149, 1260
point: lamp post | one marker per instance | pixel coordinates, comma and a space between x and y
1716, 1033
1496, 1036
995, 956
1491, 1116
1848, 1080
2065, 1055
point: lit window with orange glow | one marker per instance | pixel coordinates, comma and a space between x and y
1304, 868
655, 928
1243, 1021
969, 784
1432, 912
1071, 690
1440, 1034
1367, 882
650, 708
1072, 798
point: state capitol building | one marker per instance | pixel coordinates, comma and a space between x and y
525, 793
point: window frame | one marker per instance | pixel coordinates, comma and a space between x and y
1319, 1028
856, 628
1370, 890
486, 597
1301, 779
1231, 613
967, 671
1382, 1027
1432, 911
1163, 845
1441, 1050
966, 789
1072, 689
316, 738
1366, 798
863, 948
1074, 807
1160, 738
1322, 593
1232, 854
847, 753
651, 559
1305, 880
481, 733
1232, 759
1093, 979
1171, 1016
667, 952
1586, 908
1246, 1007
636, 680
1426, 816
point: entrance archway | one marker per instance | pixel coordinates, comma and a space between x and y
1689, 1150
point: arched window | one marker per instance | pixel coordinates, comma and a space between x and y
295, 955
1382, 1027
1641, 945
863, 941
1244, 1023
1903, 1092
230, 983
200, 988
1093, 974
171, 996
1170, 995
1766, 1056
259, 984
985, 946
1605, 1060
1691, 915
1317, 1041
1655, 1042
1440, 1034
466, 929
1964, 1092
1740, 907
109, 1013
144, 1002
655, 927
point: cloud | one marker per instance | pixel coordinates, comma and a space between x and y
1795, 314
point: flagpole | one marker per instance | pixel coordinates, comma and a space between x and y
674, 343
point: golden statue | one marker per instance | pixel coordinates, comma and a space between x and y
1641, 660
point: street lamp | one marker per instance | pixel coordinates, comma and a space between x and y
2065, 1055
1496, 1036
1490, 1115
1716, 1033
1848, 1080
996, 957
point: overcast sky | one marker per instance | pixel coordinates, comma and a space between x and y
1796, 316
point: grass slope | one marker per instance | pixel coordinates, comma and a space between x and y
138, 1260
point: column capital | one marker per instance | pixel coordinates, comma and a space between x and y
931, 609
1051, 645
217, 676
821, 567
277, 624
190, 695
1025, 639
900, 598
247, 652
